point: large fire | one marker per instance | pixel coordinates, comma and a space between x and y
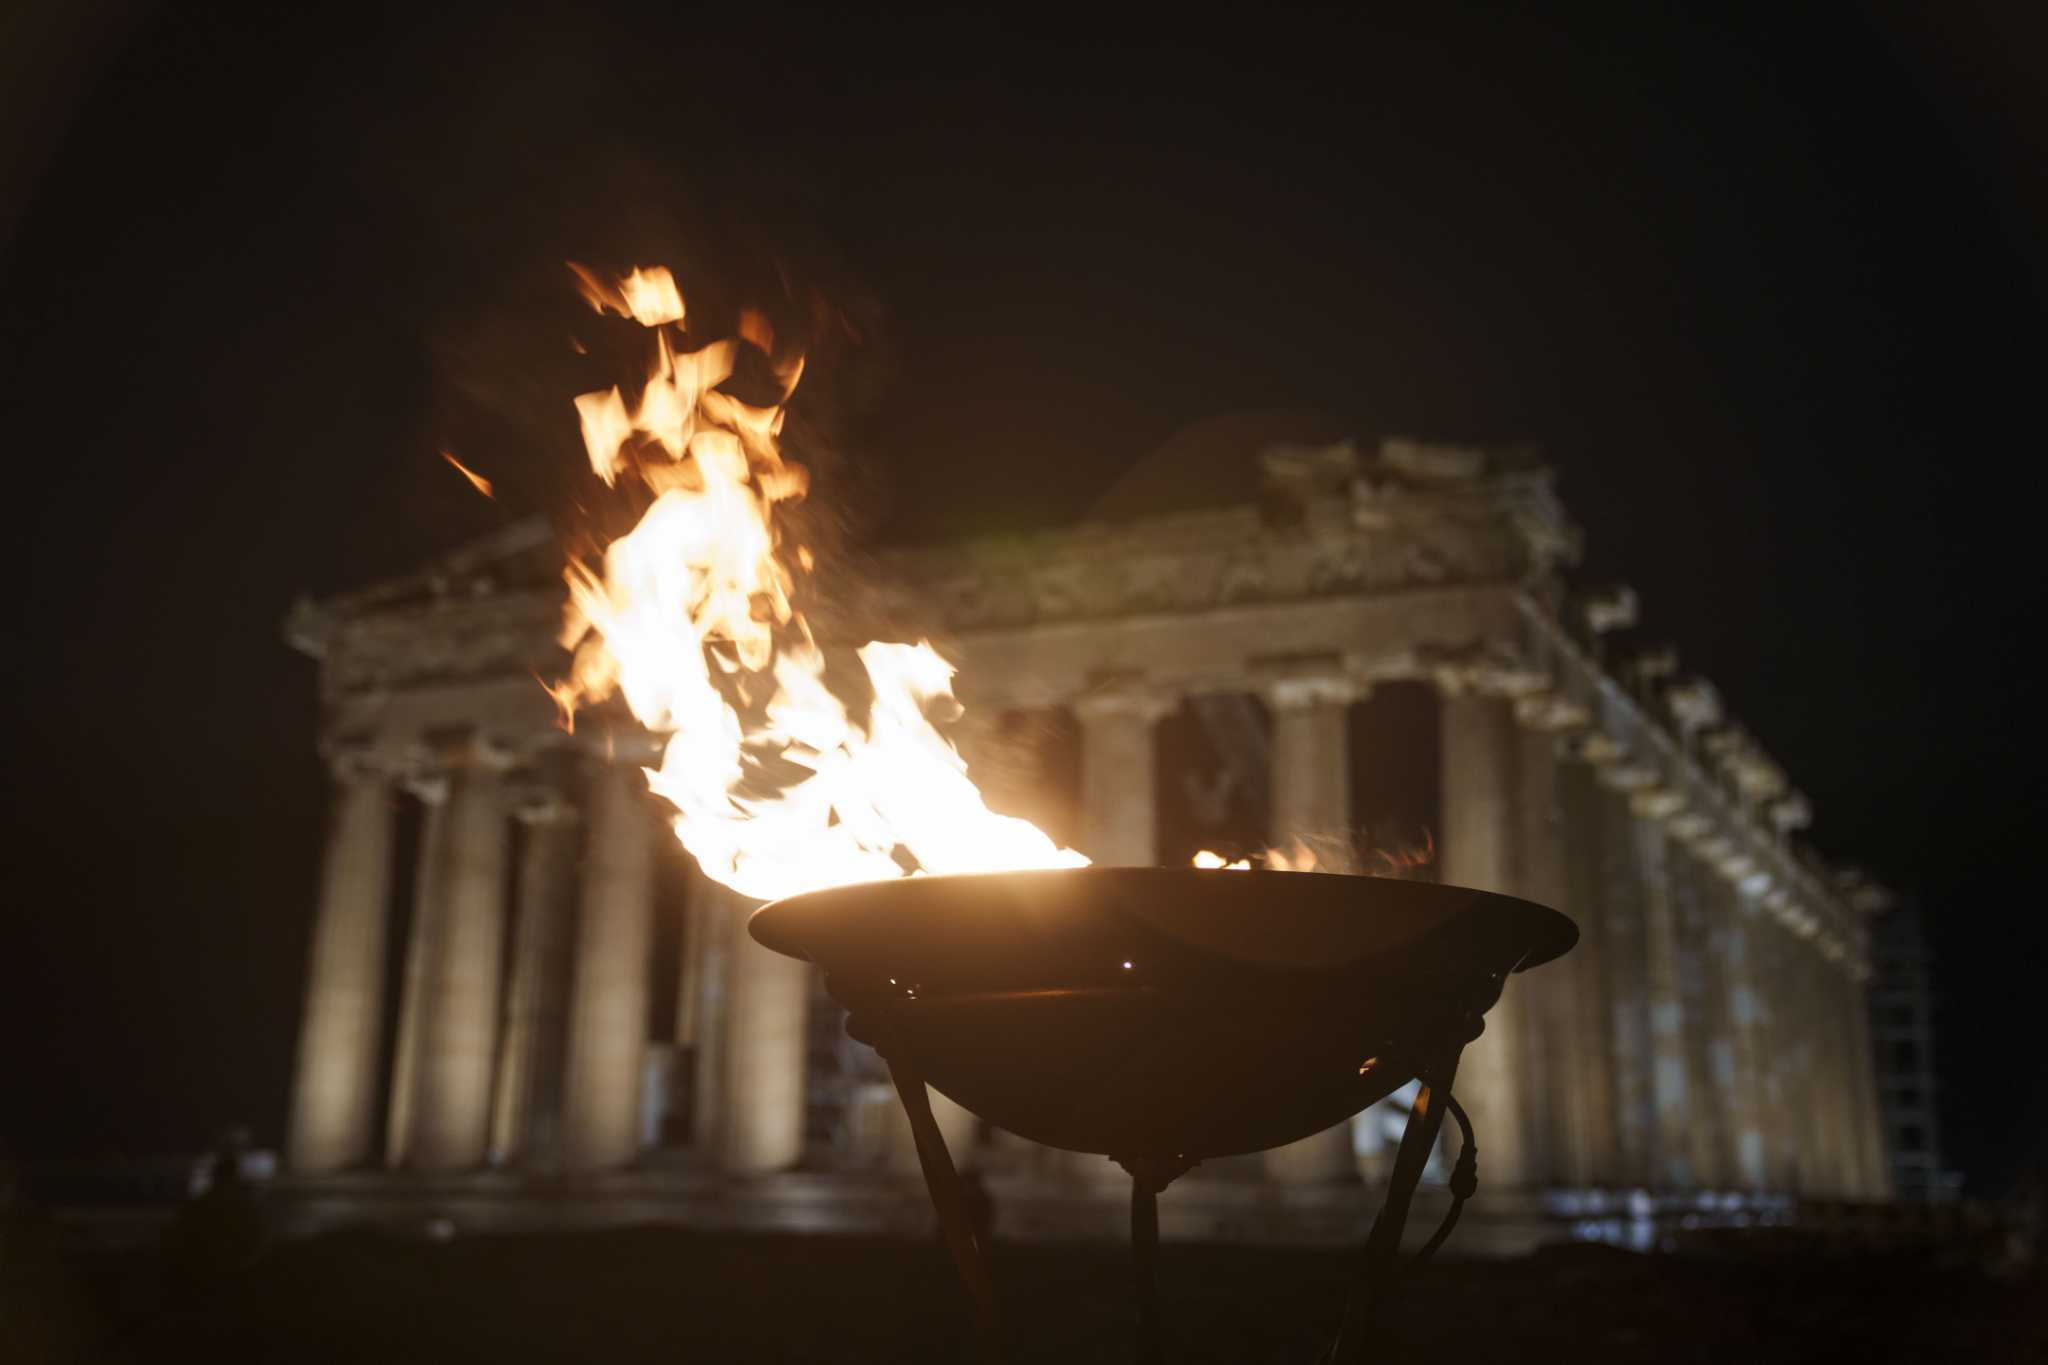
778, 785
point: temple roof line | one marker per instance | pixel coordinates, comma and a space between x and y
311, 620
1415, 560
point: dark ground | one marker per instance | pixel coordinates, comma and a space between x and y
660, 1295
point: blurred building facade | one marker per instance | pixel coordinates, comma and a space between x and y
519, 986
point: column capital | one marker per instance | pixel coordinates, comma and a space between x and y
1302, 691
1802, 921
1487, 671
1656, 803
1736, 866
540, 803
1713, 848
1610, 609
1756, 775
1790, 812
1552, 712
1291, 681
349, 764
1495, 666
428, 784
1601, 749
1624, 775
335, 1081
1689, 825
1122, 700
1694, 704
472, 750
608, 744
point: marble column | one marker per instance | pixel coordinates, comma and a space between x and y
1625, 894
1119, 767
458, 1019
1478, 850
1595, 1157
1311, 786
1806, 1081
424, 931
1742, 983
334, 1088
767, 1014
708, 943
1553, 1056
608, 997
1119, 818
1672, 1164
527, 1110
690, 962
1709, 1059
1769, 947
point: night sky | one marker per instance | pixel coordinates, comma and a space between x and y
1771, 297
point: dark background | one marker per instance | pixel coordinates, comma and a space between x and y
1771, 295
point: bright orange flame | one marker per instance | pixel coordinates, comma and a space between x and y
649, 297
778, 787
476, 480
1296, 857
1300, 856
1214, 862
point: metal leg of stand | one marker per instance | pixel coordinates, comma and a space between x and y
1383, 1243
943, 1181
1145, 1263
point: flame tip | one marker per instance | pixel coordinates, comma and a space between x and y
476, 480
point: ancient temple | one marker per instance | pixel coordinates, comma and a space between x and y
525, 1005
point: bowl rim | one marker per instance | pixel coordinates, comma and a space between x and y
779, 925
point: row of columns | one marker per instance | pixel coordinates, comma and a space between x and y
547, 1071
1688, 1042
1737, 1049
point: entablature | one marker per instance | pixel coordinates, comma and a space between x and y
1422, 562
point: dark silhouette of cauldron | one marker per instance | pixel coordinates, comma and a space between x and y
1162, 1016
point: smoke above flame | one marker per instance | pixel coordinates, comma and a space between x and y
778, 785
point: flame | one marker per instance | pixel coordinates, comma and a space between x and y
1402, 861
649, 297
1300, 856
1296, 857
476, 480
778, 785
1214, 862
